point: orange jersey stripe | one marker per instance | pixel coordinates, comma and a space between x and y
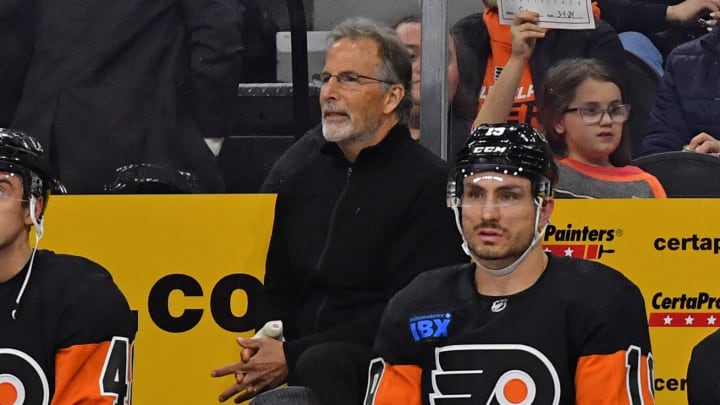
79, 373
613, 379
399, 384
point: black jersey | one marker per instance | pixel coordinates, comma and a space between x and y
703, 373
579, 335
71, 340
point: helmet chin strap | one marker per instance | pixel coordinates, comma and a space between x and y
39, 230
455, 205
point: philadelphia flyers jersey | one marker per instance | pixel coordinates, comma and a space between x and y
72, 337
579, 335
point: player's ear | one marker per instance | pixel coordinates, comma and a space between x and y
33, 214
548, 206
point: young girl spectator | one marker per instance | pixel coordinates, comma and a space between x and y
581, 110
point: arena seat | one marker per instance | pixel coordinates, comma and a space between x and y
641, 84
684, 174
264, 128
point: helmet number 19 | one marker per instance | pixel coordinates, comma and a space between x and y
495, 131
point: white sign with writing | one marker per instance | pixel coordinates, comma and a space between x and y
558, 14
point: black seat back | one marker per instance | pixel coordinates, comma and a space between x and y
684, 174
264, 128
641, 85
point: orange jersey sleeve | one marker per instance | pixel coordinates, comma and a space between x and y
97, 374
621, 378
393, 384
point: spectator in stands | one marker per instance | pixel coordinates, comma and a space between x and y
113, 83
410, 29
517, 325
703, 373
686, 115
651, 29
360, 212
581, 108
16, 45
484, 47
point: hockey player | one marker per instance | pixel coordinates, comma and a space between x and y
703, 384
517, 325
66, 330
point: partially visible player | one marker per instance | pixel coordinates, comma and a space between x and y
517, 325
703, 373
66, 330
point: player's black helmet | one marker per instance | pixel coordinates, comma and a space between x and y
145, 178
516, 149
23, 155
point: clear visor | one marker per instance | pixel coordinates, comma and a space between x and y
491, 189
506, 186
8, 190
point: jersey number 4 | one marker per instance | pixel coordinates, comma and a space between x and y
116, 379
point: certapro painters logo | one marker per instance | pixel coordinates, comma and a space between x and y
584, 243
692, 243
685, 310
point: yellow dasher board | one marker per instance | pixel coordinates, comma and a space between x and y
191, 267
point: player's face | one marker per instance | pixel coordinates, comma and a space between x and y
14, 214
592, 143
353, 111
498, 217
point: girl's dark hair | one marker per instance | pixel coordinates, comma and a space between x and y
559, 89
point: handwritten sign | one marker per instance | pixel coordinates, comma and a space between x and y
557, 14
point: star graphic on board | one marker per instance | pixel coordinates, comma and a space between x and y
689, 320
547, 249
667, 320
568, 252
711, 320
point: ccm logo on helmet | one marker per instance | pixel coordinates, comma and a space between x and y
490, 149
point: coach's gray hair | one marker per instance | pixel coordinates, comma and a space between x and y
396, 60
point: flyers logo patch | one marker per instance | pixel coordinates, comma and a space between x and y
22, 380
493, 375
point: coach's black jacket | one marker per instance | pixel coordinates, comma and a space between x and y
348, 236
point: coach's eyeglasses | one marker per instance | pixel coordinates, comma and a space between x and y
347, 80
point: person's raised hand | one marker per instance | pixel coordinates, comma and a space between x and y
525, 33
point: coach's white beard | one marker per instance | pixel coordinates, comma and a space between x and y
346, 131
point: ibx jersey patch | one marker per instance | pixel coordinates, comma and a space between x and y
430, 326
